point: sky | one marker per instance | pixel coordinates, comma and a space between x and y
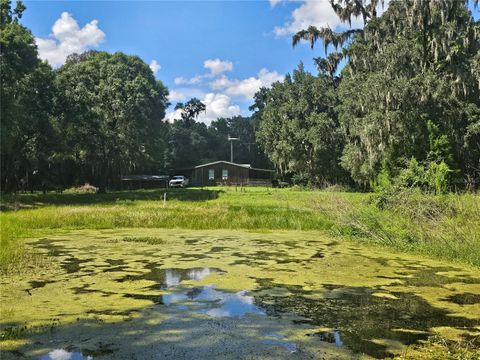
221, 52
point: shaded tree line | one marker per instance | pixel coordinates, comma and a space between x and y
97, 117
192, 143
405, 107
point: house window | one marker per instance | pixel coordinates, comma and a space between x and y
211, 174
224, 174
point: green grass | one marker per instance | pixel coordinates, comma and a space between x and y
446, 227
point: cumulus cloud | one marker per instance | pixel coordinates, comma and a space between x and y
175, 95
217, 66
172, 115
155, 66
318, 13
188, 81
246, 87
185, 93
217, 105
67, 37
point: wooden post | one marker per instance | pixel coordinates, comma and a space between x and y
165, 198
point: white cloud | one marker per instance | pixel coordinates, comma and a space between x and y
221, 83
155, 66
67, 37
188, 81
185, 93
174, 95
217, 66
172, 115
246, 87
318, 13
217, 105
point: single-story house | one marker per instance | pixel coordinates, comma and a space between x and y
227, 173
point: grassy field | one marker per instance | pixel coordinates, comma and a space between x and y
446, 227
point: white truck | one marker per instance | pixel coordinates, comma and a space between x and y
178, 181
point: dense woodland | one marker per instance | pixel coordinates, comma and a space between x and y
394, 104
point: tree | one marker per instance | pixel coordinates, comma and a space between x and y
26, 91
247, 150
328, 65
312, 34
191, 110
112, 111
299, 128
404, 79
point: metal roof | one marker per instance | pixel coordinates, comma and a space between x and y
247, 166
145, 177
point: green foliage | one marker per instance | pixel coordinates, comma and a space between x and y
111, 112
404, 111
430, 178
416, 62
298, 126
301, 179
190, 110
26, 91
393, 83
437, 176
439, 145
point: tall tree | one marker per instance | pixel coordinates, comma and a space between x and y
26, 91
299, 128
188, 139
112, 111
403, 76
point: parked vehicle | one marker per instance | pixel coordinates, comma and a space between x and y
178, 181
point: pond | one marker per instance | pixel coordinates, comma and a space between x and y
152, 293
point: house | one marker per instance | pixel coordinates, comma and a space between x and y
227, 173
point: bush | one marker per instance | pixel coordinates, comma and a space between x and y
437, 176
429, 178
300, 179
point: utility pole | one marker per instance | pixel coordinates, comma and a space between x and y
232, 139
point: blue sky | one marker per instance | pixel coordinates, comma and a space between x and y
218, 51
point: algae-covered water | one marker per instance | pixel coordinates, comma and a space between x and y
148, 294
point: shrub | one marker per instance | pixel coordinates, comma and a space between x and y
300, 179
437, 176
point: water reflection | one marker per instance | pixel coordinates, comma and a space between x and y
332, 337
61, 354
173, 277
228, 304
213, 302
166, 278
279, 340
205, 299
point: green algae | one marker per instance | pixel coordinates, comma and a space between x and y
312, 290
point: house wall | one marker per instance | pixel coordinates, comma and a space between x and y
237, 175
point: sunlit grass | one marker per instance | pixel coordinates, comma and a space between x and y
413, 226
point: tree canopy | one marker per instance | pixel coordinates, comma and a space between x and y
410, 89
398, 100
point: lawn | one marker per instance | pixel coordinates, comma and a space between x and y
445, 227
